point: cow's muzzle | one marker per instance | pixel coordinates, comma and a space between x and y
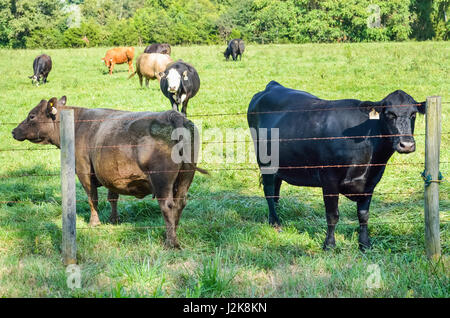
406, 146
17, 135
172, 90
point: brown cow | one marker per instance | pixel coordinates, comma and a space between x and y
119, 55
129, 153
150, 65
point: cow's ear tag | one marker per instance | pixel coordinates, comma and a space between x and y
374, 114
53, 111
185, 75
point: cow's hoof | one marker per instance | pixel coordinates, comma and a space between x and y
94, 223
277, 227
328, 245
114, 220
173, 244
364, 246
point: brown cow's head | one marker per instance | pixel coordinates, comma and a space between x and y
40, 125
107, 61
397, 116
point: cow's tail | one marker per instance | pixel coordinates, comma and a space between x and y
204, 171
132, 74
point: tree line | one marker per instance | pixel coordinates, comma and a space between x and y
81, 23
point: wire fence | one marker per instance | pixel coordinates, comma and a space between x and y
298, 110
239, 197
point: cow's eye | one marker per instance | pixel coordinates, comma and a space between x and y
31, 117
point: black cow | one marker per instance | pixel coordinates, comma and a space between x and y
42, 65
162, 48
235, 47
355, 124
179, 83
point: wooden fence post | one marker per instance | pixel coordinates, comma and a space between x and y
431, 174
69, 244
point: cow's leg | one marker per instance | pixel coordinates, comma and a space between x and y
363, 217
185, 102
140, 79
146, 82
91, 191
331, 199
180, 192
113, 198
277, 183
170, 213
269, 192
111, 68
130, 67
163, 183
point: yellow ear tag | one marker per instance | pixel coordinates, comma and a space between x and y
374, 114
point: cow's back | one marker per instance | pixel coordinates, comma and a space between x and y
151, 64
126, 143
120, 55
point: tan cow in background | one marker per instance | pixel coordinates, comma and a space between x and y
150, 65
119, 55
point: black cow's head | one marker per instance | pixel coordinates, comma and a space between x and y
40, 125
397, 115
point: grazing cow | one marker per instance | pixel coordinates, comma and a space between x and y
119, 55
162, 48
129, 153
150, 66
349, 136
235, 47
42, 65
179, 83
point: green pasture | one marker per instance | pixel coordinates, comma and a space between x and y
228, 248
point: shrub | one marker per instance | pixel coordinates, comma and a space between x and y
44, 38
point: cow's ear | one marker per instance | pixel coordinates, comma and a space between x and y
51, 107
422, 107
372, 109
63, 100
162, 74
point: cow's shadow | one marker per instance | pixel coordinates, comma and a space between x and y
106, 71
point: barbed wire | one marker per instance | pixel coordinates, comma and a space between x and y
354, 107
184, 225
241, 169
234, 141
220, 197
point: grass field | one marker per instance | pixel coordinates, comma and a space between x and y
228, 248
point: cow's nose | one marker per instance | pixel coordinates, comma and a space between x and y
407, 146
